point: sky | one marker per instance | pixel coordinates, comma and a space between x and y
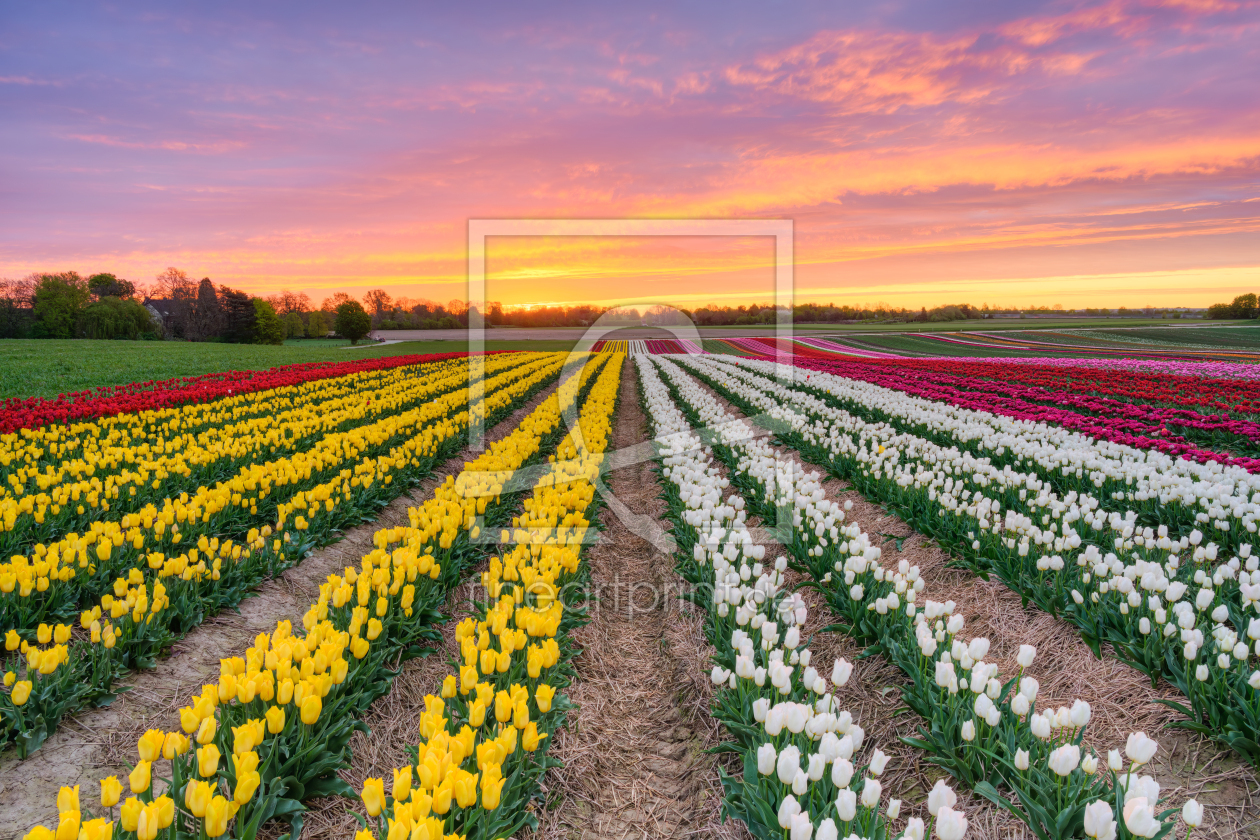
1011, 153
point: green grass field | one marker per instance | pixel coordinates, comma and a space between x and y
46, 368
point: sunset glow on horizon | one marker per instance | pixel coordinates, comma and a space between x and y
1100, 154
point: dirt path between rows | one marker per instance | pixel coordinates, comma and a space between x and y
1121, 698
100, 742
634, 755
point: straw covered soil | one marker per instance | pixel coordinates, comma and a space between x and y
634, 755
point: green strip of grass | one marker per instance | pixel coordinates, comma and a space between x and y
46, 368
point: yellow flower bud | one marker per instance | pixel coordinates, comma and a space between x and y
150, 745
245, 787
311, 707
402, 784
140, 777
111, 789
68, 799
275, 720
217, 815
197, 796
373, 796
208, 760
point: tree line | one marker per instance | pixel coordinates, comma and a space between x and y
174, 306
1243, 306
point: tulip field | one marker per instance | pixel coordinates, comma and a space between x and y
840, 687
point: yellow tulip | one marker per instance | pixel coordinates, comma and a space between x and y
365, 834
207, 730
477, 713
465, 788
339, 670
311, 708
373, 796
166, 811
188, 720
531, 737
111, 789
68, 827
491, 791
176, 743
68, 799
21, 692
61, 634
275, 720
520, 715
217, 815
245, 787
150, 745
10, 677
140, 777
503, 707
543, 696
147, 823
43, 634
398, 830
12, 641
96, 829
442, 798
448, 686
129, 814
197, 796
39, 832
285, 693
208, 760
402, 784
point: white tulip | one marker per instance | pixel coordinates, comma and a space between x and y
827, 830
894, 808
1080, 713
766, 759
1192, 813
802, 827
1040, 726
1026, 655
1090, 764
1065, 759
846, 804
788, 809
969, 730
1114, 761
841, 773
950, 824
871, 791
1139, 818
1099, 821
788, 765
801, 783
840, 672
817, 766
1021, 759
941, 796
878, 762
914, 829
1139, 748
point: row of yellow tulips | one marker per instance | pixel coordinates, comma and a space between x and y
163, 597
284, 712
57, 576
482, 743
106, 444
39, 506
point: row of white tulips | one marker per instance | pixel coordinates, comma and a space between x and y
1189, 618
798, 747
982, 730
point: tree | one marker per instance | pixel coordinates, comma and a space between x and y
112, 317
293, 326
239, 316
174, 286
330, 304
317, 324
286, 302
1243, 306
378, 302
207, 319
268, 328
107, 285
353, 322
58, 300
